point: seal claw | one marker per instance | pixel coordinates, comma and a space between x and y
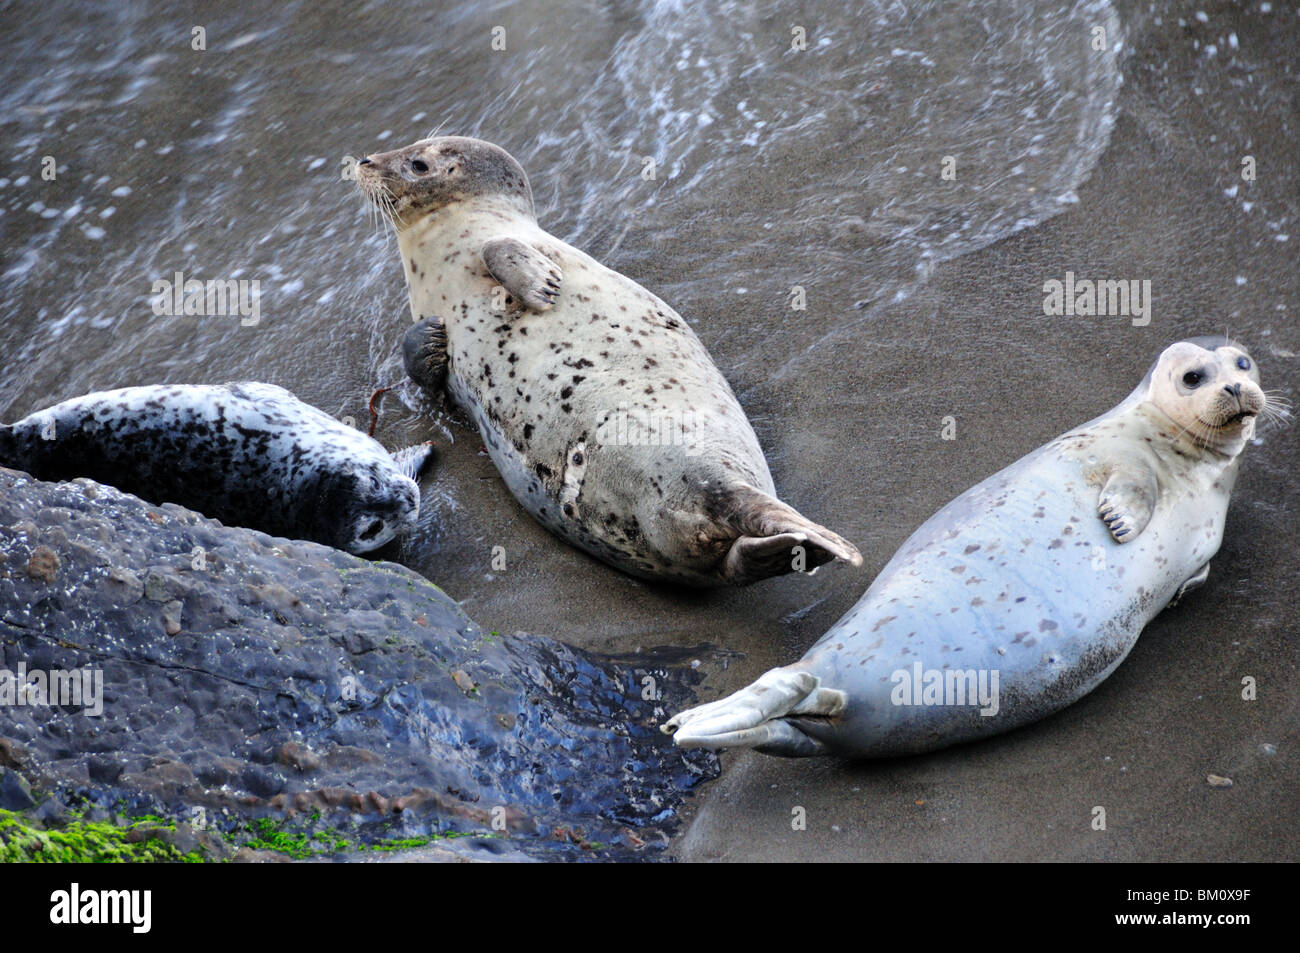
1127, 502
424, 353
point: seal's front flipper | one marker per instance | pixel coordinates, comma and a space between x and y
756, 716
776, 539
1195, 581
1127, 501
424, 353
523, 271
413, 461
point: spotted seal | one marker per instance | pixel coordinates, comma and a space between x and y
599, 406
248, 454
1025, 592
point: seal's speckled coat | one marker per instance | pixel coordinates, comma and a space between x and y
1028, 575
248, 454
559, 359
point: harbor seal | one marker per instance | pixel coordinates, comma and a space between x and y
596, 401
248, 454
1024, 593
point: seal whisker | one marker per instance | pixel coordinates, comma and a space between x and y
1276, 409
386, 203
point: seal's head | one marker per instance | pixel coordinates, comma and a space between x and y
361, 509
426, 176
382, 518
1210, 388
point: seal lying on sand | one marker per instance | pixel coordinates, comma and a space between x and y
248, 454
596, 401
1024, 593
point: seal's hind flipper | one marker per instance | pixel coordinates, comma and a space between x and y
752, 558
776, 539
523, 271
424, 353
757, 716
413, 461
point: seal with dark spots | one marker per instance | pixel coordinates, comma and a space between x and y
248, 454
982, 622
506, 313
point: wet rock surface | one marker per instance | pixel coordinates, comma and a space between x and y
248, 678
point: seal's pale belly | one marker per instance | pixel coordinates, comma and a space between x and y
601, 413
1018, 577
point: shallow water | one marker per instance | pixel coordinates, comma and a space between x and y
773, 168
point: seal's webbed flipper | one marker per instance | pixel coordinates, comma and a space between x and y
523, 271
413, 461
1127, 501
424, 353
756, 716
776, 539
752, 558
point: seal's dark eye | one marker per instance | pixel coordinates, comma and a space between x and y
1243, 363
1191, 378
419, 165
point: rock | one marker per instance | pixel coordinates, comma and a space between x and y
171, 617
12, 754
296, 756
104, 768
167, 771
291, 678
51, 812
124, 587
246, 855
15, 792
261, 781
43, 564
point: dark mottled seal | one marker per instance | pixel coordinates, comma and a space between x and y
1024, 593
596, 401
248, 454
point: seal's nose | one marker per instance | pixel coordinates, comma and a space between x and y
366, 161
1233, 389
